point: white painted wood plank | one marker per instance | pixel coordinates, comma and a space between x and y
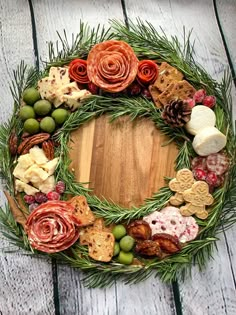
74, 298
227, 12
213, 291
21, 277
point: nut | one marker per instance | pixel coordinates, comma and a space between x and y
139, 230
48, 148
29, 142
148, 248
13, 142
168, 243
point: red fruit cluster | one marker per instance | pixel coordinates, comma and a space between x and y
200, 97
210, 169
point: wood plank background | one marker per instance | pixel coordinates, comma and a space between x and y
35, 286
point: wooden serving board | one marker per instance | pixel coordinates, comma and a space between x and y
124, 160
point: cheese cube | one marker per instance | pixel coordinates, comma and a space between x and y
65, 89
19, 172
47, 88
38, 155
50, 166
25, 160
36, 175
60, 75
74, 99
47, 185
21, 186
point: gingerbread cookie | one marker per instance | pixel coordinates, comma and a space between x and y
197, 198
183, 181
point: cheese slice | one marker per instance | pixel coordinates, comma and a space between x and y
28, 189
60, 75
208, 140
38, 156
47, 185
201, 117
36, 175
64, 90
25, 160
47, 88
74, 99
19, 172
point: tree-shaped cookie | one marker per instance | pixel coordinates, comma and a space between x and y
183, 181
197, 198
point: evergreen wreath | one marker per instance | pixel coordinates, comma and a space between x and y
147, 43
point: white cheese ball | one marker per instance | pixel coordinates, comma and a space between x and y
208, 140
201, 117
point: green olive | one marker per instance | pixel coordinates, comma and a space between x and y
125, 258
116, 249
31, 95
60, 115
31, 126
26, 112
47, 124
119, 231
126, 243
42, 107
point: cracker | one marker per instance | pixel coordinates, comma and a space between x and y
98, 225
155, 95
82, 210
101, 246
163, 96
182, 90
167, 75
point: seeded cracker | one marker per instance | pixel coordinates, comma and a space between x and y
167, 75
101, 246
82, 210
98, 225
155, 95
182, 90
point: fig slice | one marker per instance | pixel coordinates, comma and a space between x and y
168, 243
139, 230
148, 248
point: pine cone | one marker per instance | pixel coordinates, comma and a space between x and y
177, 113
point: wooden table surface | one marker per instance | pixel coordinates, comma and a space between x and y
36, 286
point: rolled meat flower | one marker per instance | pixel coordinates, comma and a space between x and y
78, 71
147, 72
112, 65
52, 227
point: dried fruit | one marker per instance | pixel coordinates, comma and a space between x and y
167, 242
134, 89
32, 206
48, 148
40, 197
60, 187
147, 94
139, 230
53, 195
148, 248
29, 142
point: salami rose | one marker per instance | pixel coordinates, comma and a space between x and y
112, 65
147, 72
78, 71
52, 227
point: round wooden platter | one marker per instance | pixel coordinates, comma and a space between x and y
123, 161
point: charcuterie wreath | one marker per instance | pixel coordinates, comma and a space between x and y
133, 71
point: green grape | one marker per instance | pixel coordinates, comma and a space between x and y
116, 249
125, 258
30, 96
126, 243
48, 124
60, 115
119, 231
31, 126
42, 107
26, 112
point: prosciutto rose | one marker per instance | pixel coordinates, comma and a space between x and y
52, 227
112, 65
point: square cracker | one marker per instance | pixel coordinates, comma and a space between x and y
155, 95
182, 90
101, 246
82, 210
98, 225
167, 75
163, 96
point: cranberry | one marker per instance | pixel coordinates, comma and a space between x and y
29, 199
209, 101
94, 89
146, 93
199, 174
191, 102
60, 187
199, 96
40, 197
134, 89
33, 206
53, 195
211, 179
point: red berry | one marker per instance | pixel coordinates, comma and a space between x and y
29, 199
60, 187
40, 197
134, 89
220, 180
199, 174
209, 101
211, 179
94, 89
199, 96
53, 195
191, 102
33, 206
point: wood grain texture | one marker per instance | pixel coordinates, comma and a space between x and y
124, 161
22, 277
73, 298
196, 296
